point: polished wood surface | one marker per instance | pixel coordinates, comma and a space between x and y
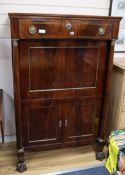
62, 72
105, 21
50, 161
62, 77
57, 28
74, 129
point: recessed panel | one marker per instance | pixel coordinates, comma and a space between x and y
43, 124
81, 120
55, 68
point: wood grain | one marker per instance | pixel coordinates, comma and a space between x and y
43, 162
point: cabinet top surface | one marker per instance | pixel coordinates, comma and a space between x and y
119, 63
35, 15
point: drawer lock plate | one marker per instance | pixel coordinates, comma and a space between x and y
68, 26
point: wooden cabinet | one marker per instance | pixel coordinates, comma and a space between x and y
117, 98
62, 68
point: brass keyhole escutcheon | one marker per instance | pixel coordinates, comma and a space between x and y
68, 26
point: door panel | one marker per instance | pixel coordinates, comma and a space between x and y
59, 69
42, 124
81, 121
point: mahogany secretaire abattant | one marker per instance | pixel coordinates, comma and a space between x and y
62, 67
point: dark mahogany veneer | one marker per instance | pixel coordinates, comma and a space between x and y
62, 67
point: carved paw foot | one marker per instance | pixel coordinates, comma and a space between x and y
101, 143
21, 167
100, 156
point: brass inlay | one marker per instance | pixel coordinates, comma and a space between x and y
15, 42
113, 43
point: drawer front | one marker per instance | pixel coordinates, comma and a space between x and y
90, 29
40, 29
64, 29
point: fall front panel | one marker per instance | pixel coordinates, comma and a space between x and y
61, 68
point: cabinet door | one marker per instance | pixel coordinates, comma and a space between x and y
81, 122
41, 124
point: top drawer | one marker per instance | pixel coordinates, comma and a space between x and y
72, 28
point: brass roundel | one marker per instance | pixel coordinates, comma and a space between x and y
32, 30
68, 26
101, 31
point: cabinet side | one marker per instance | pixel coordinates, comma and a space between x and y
116, 99
16, 78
